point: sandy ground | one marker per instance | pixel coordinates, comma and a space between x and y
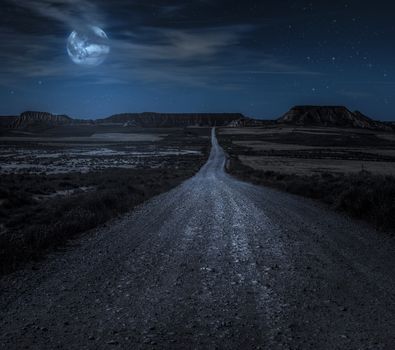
109, 137
213, 264
54, 159
303, 159
298, 166
278, 129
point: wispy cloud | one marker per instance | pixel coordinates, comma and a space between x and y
73, 13
198, 56
180, 45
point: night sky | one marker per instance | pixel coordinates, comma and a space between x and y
255, 57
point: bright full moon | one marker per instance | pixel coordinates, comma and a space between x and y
88, 47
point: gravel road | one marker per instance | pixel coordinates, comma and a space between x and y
215, 263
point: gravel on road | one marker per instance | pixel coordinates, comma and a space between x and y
215, 263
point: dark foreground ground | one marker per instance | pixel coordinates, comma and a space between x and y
350, 170
215, 263
58, 183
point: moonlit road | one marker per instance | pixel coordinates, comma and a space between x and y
215, 263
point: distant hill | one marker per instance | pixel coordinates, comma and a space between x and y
300, 115
337, 116
31, 119
157, 120
7, 121
40, 119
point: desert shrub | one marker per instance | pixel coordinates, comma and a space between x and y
361, 195
33, 227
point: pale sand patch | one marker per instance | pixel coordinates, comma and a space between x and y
289, 129
105, 137
271, 146
388, 137
310, 166
126, 137
253, 131
380, 152
267, 146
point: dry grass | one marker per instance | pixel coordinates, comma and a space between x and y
269, 146
32, 226
308, 151
351, 170
304, 167
104, 137
41, 211
362, 195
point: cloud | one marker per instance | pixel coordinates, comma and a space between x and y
72, 13
185, 56
161, 44
196, 57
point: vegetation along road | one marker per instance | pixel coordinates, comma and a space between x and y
214, 263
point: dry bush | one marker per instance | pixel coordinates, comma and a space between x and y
32, 227
362, 195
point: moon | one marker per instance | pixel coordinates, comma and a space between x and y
88, 46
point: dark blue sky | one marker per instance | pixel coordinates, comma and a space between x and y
255, 57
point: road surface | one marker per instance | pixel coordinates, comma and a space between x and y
215, 263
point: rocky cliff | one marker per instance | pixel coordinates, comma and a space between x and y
156, 120
337, 116
40, 119
7, 121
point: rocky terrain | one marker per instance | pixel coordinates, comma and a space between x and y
53, 188
215, 263
337, 116
6, 121
32, 118
349, 169
154, 120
